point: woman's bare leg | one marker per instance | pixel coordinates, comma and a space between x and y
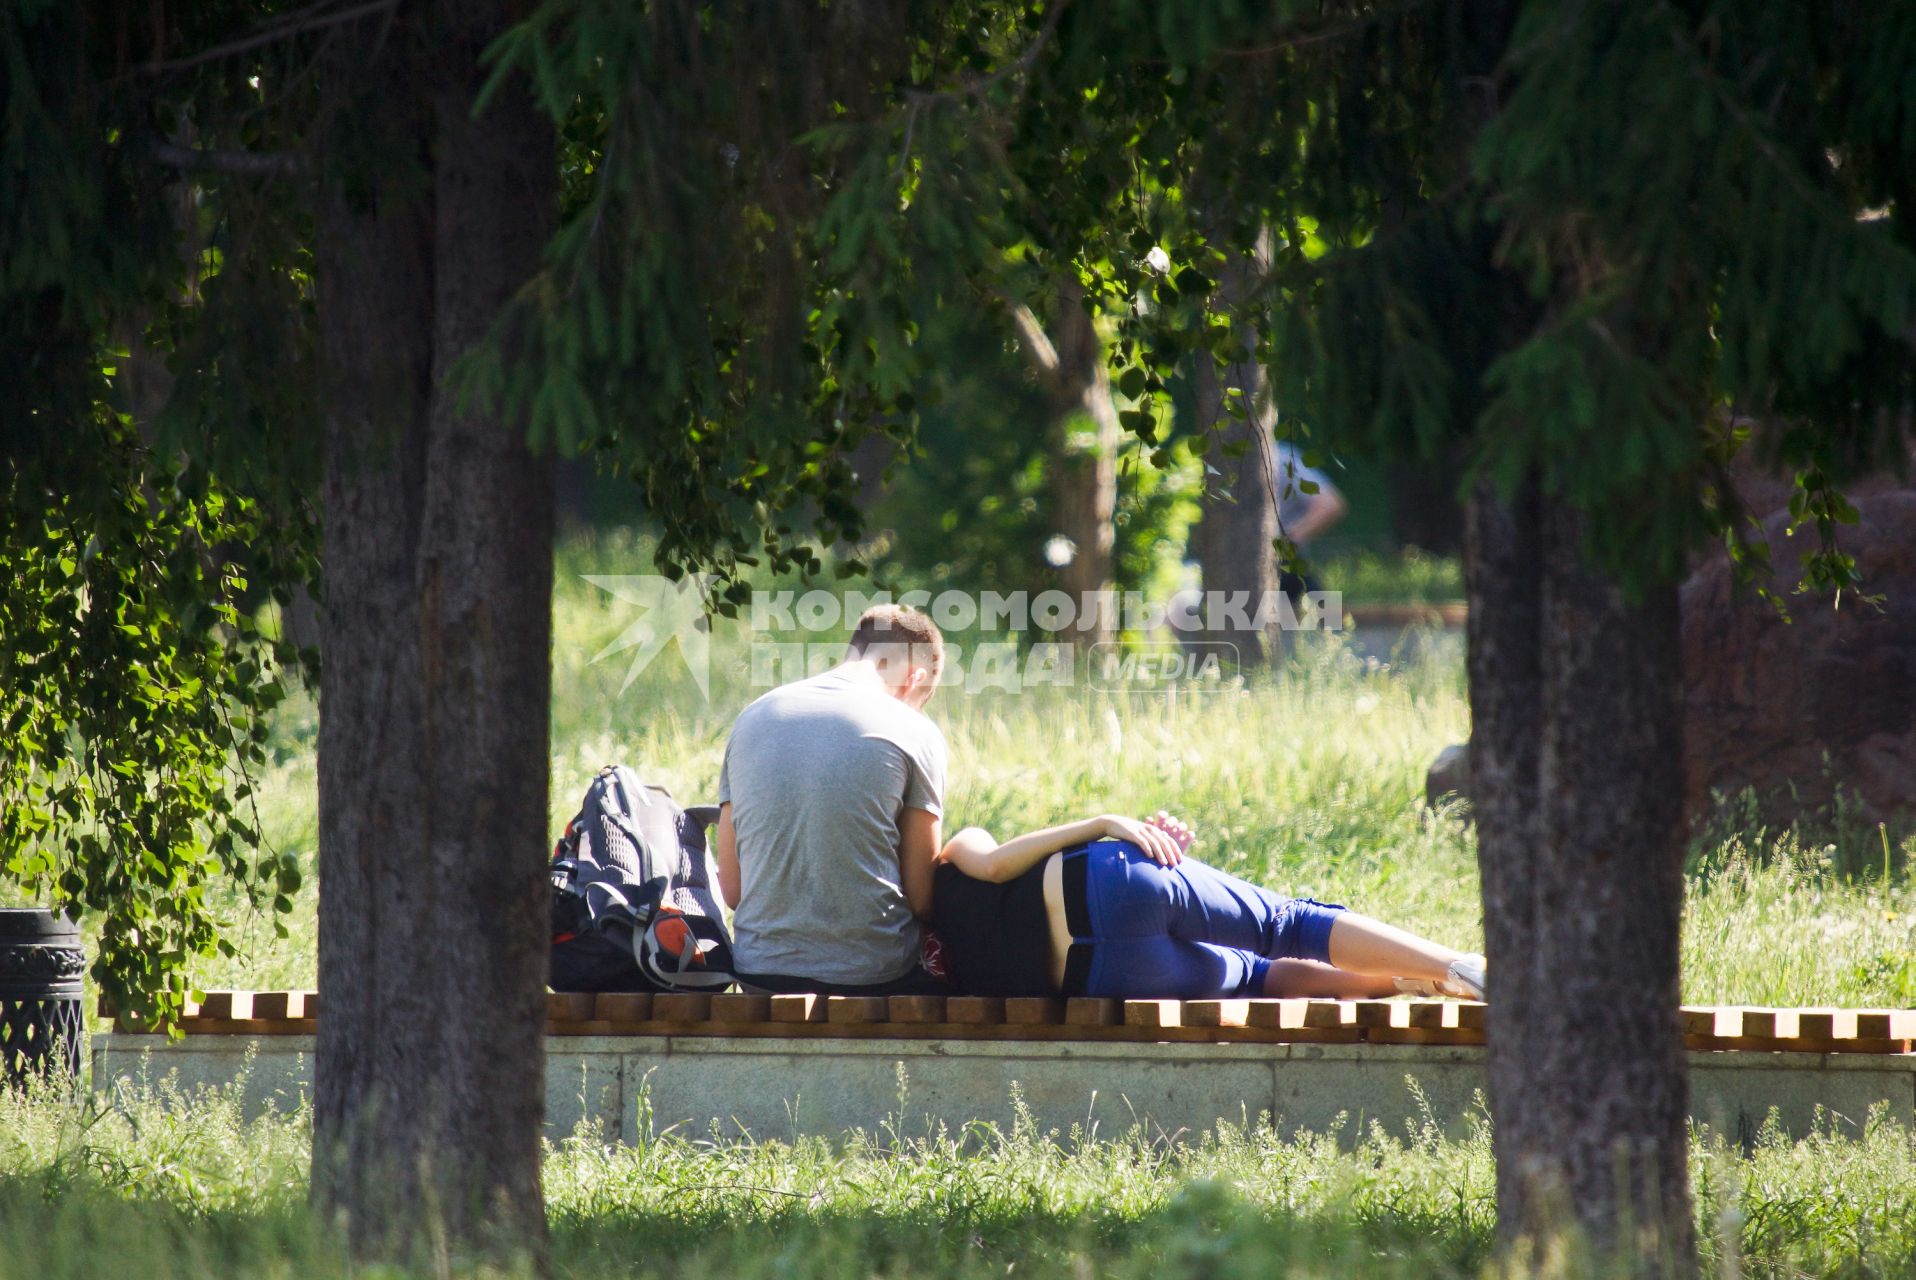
1360, 944
1293, 978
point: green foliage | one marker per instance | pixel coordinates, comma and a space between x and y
729, 337
1724, 248
167, 1183
971, 508
1574, 246
699, 324
141, 529
133, 697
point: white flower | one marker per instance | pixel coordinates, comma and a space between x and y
1158, 260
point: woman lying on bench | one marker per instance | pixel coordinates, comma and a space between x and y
1110, 906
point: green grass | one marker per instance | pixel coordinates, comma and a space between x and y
153, 1184
1409, 576
1310, 781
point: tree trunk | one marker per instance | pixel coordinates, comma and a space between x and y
435, 691
1082, 462
1425, 511
1574, 759
1235, 534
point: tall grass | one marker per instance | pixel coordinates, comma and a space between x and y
150, 1184
1309, 780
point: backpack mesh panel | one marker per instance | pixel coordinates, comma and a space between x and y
619, 851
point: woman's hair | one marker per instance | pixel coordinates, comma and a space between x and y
897, 624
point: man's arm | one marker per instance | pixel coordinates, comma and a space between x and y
918, 841
725, 855
1326, 509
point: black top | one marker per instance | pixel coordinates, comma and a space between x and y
997, 937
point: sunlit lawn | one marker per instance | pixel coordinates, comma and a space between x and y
1310, 780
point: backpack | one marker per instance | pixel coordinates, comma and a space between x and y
632, 901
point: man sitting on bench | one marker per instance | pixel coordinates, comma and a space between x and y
830, 799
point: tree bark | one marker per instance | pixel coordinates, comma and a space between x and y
435, 692
1574, 757
1082, 466
1234, 538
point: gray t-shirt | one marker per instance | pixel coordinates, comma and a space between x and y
1292, 471
817, 773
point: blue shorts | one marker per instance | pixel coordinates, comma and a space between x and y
1188, 932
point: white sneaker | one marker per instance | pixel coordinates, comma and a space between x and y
1465, 978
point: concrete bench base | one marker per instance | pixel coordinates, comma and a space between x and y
700, 1086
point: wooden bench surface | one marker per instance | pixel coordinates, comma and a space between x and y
1400, 1021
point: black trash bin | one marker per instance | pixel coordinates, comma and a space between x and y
41, 965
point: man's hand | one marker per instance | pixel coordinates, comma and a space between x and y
1158, 844
918, 847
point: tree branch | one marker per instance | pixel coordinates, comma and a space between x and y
311, 18
1036, 343
247, 164
979, 86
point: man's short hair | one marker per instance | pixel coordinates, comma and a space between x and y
900, 625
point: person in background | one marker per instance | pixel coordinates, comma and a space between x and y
830, 799
1302, 516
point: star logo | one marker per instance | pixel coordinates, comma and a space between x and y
668, 611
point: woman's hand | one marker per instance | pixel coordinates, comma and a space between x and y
1158, 844
1175, 827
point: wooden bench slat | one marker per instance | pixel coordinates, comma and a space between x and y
1375, 1013
916, 1009
228, 1006
977, 1011
279, 1004
1329, 1015
1093, 1011
1816, 1024
1873, 1024
1033, 1011
561, 1006
798, 1007
1153, 1013
1216, 1013
622, 1006
1283, 1015
682, 1006
1417, 1021
856, 1010
741, 1006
